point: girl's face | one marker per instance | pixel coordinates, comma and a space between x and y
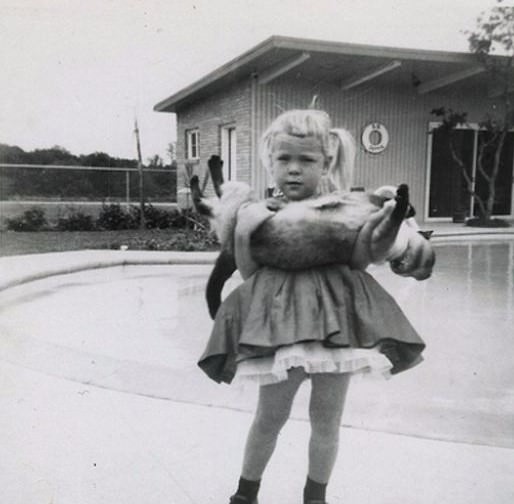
297, 164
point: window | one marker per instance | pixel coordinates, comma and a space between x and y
193, 144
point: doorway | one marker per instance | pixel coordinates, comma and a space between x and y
229, 152
448, 194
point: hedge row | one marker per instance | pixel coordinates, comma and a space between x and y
112, 217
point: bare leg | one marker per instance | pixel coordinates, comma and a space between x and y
325, 410
273, 409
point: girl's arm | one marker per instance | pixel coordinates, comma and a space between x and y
309, 233
334, 229
249, 217
317, 232
410, 254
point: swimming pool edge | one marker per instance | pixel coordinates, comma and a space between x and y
20, 269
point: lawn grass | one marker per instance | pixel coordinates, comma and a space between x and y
18, 243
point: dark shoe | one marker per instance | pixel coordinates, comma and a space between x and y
239, 499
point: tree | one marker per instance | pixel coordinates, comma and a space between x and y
155, 162
493, 34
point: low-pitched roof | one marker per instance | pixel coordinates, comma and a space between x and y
347, 65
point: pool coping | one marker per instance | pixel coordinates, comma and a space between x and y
20, 269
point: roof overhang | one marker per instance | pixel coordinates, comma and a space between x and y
344, 65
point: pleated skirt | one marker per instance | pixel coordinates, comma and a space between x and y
326, 319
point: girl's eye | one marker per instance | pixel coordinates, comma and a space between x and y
307, 159
283, 158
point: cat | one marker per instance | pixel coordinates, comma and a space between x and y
308, 233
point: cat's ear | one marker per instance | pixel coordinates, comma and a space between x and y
202, 205
215, 164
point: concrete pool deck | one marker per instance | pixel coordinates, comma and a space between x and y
117, 447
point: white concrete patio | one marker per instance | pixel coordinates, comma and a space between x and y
101, 400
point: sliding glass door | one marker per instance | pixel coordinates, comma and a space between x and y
448, 194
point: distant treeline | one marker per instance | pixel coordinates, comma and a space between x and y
20, 183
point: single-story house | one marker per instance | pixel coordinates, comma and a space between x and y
383, 95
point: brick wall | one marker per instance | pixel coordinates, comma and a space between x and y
209, 115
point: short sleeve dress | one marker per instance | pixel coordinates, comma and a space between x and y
330, 318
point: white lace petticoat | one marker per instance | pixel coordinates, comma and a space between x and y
314, 358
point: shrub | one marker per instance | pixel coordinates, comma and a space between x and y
197, 240
76, 221
113, 218
190, 219
156, 218
180, 220
188, 240
32, 219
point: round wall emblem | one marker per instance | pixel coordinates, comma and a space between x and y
375, 138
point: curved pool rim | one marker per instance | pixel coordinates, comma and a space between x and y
21, 269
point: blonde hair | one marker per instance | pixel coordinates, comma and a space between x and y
336, 144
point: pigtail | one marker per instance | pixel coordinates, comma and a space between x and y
265, 150
342, 150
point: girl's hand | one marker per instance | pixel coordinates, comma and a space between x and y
249, 217
379, 233
275, 204
418, 259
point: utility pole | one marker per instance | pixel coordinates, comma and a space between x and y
140, 172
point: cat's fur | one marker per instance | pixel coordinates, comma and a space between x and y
302, 234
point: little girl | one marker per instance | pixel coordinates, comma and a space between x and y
324, 323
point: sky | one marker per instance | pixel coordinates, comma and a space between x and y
77, 73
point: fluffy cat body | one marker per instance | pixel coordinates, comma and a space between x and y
302, 234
